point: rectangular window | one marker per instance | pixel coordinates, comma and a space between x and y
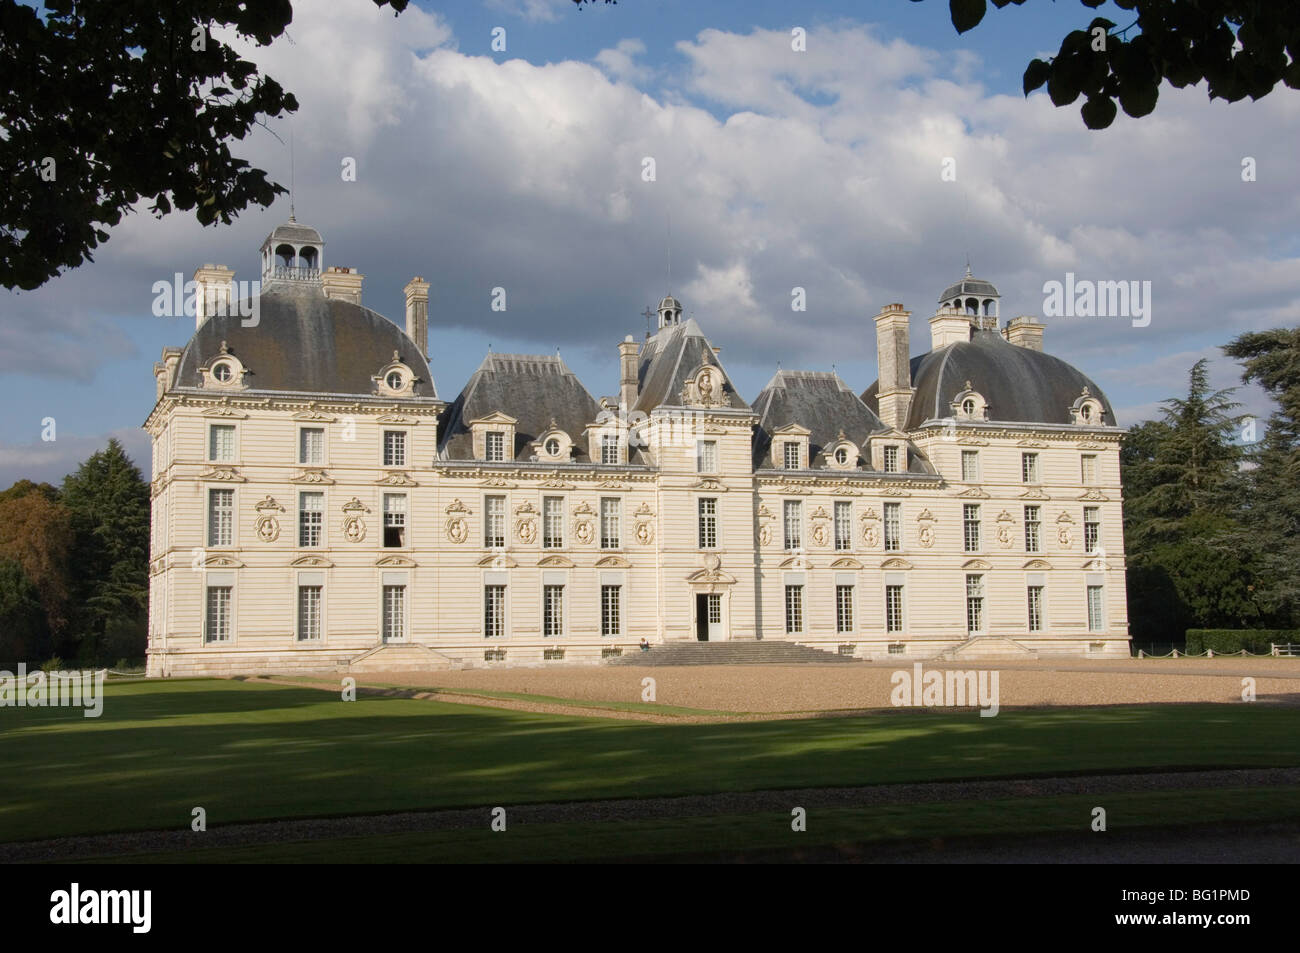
792, 455
552, 610
1096, 614
1035, 596
793, 524
311, 445
308, 613
610, 531
708, 523
893, 608
394, 448
216, 622
394, 613
394, 519
713, 608
706, 456
971, 527
610, 617
221, 443
494, 522
1033, 528
1088, 468
793, 610
221, 517
970, 466
494, 611
1029, 467
311, 518
843, 525
843, 609
552, 522
975, 604
608, 449
893, 526
495, 446
891, 459
1091, 528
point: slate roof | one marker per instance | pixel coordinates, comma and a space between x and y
670, 358
532, 388
307, 343
1021, 385
976, 287
295, 233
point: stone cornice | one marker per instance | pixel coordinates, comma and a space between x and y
277, 402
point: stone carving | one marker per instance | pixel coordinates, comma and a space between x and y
1006, 523
354, 527
457, 526
925, 528
1064, 530
267, 525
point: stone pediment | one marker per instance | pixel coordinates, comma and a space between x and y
395, 562
311, 562
846, 562
613, 562
222, 561
555, 562
497, 561
982, 565
1037, 565
311, 475
895, 563
222, 475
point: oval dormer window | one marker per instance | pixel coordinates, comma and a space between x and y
221, 371
394, 380
841, 456
968, 407
553, 447
1086, 412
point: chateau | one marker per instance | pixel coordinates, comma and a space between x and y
318, 505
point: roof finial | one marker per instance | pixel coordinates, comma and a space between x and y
968, 274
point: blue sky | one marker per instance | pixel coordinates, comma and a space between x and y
819, 170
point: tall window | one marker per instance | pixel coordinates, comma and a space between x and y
893, 608
221, 443
394, 448
311, 445
971, 527
494, 611
843, 525
610, 617
706, 456
610, 532
394, 599
1033, 528
1096, 614
970, 466
708, 523
552, 610
311, 518
495, 445
1035, 596
793, 524
308, 613
608, 449
893, 527
394, 519
843, 609
1088, 468
1091, 528
793, 610
975, 603
494, 522
221, 517
792, 455
1029, 467
552, 522
891, 459
216, 621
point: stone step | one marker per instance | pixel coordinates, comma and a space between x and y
400, 657
727, 653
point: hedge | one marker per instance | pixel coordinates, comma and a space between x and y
1234, 640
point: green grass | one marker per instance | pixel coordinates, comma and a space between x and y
991, 821
249, 751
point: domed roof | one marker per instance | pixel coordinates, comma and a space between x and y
295, 233
304, 342
1021, 385
975, 287
670, 302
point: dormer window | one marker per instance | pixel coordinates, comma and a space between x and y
494, 438
224, 371
968, 407
609, 449
841, 456
495, 446
221, 371
553, 447
891, 459
1087, 410
791, 455
394, 380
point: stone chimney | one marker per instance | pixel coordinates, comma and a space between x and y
417, 313
949, 326
213, 292
894, 396
1024, 331
164, 371
628, 386
342, 283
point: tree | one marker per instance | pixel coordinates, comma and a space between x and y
1182, 41
107, 102
36, 533
23, 636
109, 503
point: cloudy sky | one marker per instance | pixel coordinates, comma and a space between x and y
775, 169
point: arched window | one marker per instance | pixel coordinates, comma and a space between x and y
308, 258
285, 255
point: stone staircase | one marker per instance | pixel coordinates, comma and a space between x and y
400, 657
766, 652
987, 647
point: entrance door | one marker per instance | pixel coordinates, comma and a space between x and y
708, 617
702, 618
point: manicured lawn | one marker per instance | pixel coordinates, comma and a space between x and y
246, 751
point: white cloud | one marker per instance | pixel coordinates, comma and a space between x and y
620, 62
